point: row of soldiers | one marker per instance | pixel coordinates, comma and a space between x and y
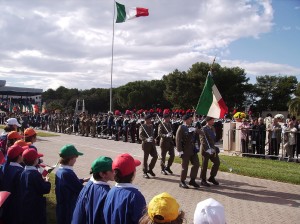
110, 126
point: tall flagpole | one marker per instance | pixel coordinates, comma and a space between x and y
112, 59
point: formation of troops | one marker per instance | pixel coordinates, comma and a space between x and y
111, 126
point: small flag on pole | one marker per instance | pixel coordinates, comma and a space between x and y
3, 196
211, 102
45, 169
124, 14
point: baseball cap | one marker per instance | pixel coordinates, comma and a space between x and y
163, 208
13, 121
22, 143
69, 150
125, 163
14, 135
209, 211
29, 132
31, 154
102, 164
14, 151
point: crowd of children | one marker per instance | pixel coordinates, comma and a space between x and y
79, 203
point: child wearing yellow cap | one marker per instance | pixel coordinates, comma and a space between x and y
163, 208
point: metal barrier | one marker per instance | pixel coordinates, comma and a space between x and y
256, 143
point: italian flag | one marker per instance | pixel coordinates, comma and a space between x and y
211, 102
124, 14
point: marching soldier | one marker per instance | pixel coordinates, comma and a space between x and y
148, 146
209, 152
186, 149
166, 144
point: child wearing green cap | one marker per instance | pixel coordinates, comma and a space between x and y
90, 202
67, 184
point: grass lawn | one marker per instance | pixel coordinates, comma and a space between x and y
261, 168
51, 201
39, 133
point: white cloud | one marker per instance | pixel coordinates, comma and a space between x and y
46, 45
286, 28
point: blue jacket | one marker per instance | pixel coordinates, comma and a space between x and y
11, 183
33, 204
124, 204
90, 202
67, 189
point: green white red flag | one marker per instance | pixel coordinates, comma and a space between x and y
211, 102
124, 13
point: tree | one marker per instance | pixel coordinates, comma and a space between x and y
183, 89
294, 104
275, 91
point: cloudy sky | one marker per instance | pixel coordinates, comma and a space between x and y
46, 44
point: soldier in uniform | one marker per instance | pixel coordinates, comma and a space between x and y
186, 149
126, 125
118, 122
165, 133
209, 152
132, 128
82, 123
87, 125
93, 126
110, 125
148, 146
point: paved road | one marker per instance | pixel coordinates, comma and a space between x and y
246, 200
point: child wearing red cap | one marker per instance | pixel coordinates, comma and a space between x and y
12, 137
90, 202
33, 186
11, 182
124, 203
30, 136
67, 184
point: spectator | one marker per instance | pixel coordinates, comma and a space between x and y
12, 124
30, 136
244, 135
12, 137
274, 137
89, 205
33, 187
124, 203
11, 172
67, 184
163, 208
209, 211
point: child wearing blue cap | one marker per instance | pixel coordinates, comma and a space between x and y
67, 184
90, 202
